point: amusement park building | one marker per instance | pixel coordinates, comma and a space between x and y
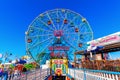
110, 43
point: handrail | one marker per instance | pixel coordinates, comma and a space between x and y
98, 71
88, 74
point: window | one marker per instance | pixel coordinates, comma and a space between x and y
58, 65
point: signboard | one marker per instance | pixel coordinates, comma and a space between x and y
58, 62
58, 48
110, 39
52, 54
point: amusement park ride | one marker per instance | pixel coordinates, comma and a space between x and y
58, 33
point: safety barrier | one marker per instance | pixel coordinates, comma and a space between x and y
36, 74
109, 65
86, 74
77, 74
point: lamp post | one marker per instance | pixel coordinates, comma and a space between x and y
6, 56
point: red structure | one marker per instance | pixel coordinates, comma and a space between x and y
58, 33
76, 29
65, 21
49, 23
29, 40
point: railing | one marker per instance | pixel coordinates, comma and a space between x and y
85, 74
109, 65
36, 74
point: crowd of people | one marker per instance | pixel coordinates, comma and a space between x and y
11, 74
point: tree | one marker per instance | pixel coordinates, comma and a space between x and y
12, 66
28, 66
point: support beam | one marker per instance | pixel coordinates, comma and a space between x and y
75, 59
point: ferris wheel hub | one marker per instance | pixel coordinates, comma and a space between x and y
58, 33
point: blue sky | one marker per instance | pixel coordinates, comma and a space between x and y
16, 15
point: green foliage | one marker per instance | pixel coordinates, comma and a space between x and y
12, 66
28, 66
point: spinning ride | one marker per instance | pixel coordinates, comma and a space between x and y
58, 32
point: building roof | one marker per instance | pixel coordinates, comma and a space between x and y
107, 48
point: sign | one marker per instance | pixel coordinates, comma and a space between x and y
52, 54
58, 62
110, 39
58, 48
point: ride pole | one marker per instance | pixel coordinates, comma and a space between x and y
50, 67
75, 59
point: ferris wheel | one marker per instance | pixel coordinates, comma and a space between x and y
67, 30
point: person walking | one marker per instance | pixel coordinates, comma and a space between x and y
1, 73
5, 74
15, 74
10, 73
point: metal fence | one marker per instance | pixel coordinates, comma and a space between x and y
85, 74
36, 74
77, 74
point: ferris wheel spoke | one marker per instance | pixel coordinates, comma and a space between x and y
62, 15
41, 29
51, 21
69, 29
77, 39
63, 20
80, 25
70, 33
40, 35
30, 54
86, 33
47, 45
83, 28
40, 43
57, 17
70, 44
70, 22
71, 38
46, 24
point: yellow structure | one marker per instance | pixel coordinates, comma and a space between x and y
59, 66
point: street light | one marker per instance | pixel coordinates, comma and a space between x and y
6, 56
